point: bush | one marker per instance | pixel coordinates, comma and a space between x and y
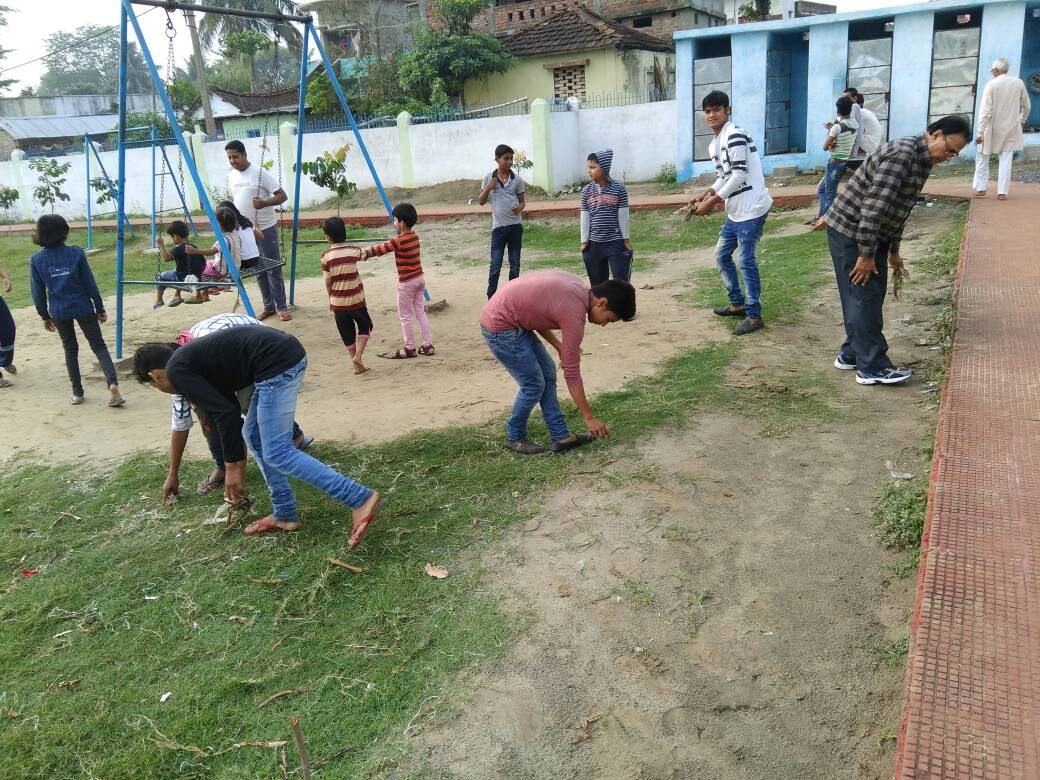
900, 513
667, 175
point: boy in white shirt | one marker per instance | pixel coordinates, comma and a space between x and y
742, 187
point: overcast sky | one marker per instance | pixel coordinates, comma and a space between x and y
30, 21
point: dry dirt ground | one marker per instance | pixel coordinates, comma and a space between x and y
713, 602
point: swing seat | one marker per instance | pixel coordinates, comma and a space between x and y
263, 265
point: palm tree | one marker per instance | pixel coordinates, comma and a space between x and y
213, 27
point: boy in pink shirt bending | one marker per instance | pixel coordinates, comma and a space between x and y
540, 303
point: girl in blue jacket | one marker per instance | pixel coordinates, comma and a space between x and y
65, 294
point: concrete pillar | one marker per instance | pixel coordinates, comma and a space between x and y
1003, 28
684, 109
192, 195
911, 58
287, 145
748, 91
541, 146
828, 69
404, 149
24, 196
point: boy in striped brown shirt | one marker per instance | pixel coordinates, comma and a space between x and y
410, 282
346, 293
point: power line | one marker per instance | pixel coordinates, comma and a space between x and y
88, 39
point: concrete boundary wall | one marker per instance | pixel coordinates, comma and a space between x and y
406, 155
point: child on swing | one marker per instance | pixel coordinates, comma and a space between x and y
187, 265
346, 292
237, 238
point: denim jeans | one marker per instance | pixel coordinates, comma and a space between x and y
510, 236
268, 431
604, 259
7, 332
166, 276
861, 305
828, 189
746, 235
271, 283
212, 434
528, 362
92, 330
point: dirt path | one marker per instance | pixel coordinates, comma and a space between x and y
704, 606
460, 384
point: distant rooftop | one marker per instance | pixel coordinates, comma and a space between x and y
578, 30
23, 128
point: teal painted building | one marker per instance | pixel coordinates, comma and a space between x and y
913, 63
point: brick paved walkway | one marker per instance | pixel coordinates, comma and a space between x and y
972, 705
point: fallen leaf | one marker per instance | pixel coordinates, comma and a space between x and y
165, 696
435, 571
239, 619
565, 591
64, 685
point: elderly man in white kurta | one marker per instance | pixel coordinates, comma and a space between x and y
1005, 106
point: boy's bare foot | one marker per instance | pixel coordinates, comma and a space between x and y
363, 517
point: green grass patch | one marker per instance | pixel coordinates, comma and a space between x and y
790, 267
15, 251
134, 600
899, 513
575, 265
652, 231
890, 653
783, 406
942, 258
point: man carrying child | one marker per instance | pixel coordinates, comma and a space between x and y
505, 190
536, 305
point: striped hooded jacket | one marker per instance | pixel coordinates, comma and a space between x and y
604, 210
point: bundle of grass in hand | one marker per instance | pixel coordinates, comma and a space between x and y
899, 277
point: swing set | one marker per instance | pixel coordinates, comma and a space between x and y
128, 19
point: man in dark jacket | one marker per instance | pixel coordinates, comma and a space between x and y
209, 372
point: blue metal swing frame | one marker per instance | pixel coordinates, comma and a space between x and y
127, 19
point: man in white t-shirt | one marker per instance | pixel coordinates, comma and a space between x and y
871, 131
256, 193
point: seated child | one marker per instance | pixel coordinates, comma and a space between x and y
410, 282
346, 292
186, 264
216, 270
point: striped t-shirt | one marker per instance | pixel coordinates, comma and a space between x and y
602, 205
740, 182
406, 254
339, 265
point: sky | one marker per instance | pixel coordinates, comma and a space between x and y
30, 21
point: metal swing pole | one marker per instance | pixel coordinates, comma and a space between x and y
90, 196
151, 134
108, 179
178, 135
180, 192
297, 173
121, 191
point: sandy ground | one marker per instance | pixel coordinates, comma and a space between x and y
704, 605
461, 383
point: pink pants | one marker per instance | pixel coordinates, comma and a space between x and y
409, 304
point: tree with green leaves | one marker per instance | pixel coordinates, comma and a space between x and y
755, 11
4, 83
246, 44
329, 171
215, 27
50, 175
444, 58
75, 68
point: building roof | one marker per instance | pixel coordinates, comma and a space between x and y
250, 104
22, 128
577, 29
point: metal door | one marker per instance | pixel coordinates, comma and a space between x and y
778, 101
870, 72
955, 67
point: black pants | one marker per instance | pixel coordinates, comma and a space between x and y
861, 304
504, 237
604, 259
347, 321
92, 330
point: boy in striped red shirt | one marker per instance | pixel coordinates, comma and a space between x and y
410, 282
346, 292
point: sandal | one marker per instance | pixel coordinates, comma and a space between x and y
208, 485
261, 316
5, 383
427, 349
284, 316
362, 528
11, 369
400, 354
267, 525
76, 400
579, 440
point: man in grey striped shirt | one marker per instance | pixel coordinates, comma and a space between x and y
864, 229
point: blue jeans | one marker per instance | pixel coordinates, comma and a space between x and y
510, 236
272, 283
746, 234
166, 276
268, 430
828, 189
528, 362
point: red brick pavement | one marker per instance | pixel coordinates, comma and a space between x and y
972, 706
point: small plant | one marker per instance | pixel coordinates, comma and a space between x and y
50, 176
329, 172
521, 162
900, 513
667, 174
8, 197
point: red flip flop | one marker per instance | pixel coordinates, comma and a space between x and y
362, 528
266, 526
